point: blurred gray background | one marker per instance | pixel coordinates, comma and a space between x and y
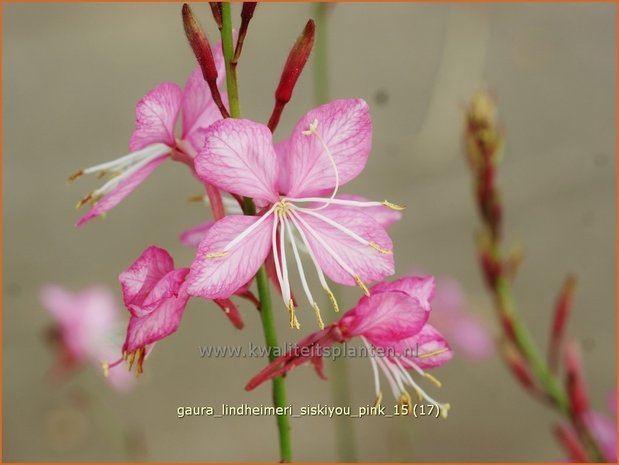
72, 75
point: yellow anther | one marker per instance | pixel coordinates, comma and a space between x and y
318, 316
84, 201
311, 129
444, 408
433, 379
419, 396
75, 175
433, 353
294, 323
333, 300
377, 247
362, 285
393, 206
131, 360
106, 369
216, 254
379, 399
196, 198
405, 400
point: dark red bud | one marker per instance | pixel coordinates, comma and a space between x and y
216, 10
202, 50
199, 44
571, 443
559, 322
576, 390
295, 63
517, 365
231, 312
248, 10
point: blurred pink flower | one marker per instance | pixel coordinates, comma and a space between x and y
393, 324
328, 147
467, 332
153, 139
87, 329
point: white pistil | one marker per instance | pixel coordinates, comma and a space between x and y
128, 159
417, 388
374, 369
312, 131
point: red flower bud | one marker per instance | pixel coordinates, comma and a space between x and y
576, 391
202, 50
571, 443
292, 70
216, 10
559, 322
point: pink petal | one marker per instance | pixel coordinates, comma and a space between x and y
238, 157
282, 150
385, 318
198, 108
428, 349
604, 432
142, 276
155, 116
383, 215
420, 288
191, 237
472, 338
369, 264
156, 325
123, 190
219, 278
346, 129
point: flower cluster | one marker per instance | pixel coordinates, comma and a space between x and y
275, 204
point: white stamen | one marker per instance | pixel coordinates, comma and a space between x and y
305, 244
282, 246
128, 159
349, 203
297, 257
336, 225
415, 386
326, 246
374, 368
249, 230
278, 270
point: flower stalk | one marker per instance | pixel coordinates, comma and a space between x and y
483, 143
266, 307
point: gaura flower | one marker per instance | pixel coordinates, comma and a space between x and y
328, 147
393, 324
87, 329
155, 294
153, 140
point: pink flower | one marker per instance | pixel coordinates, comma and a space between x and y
393, 324
155, 294
328, 147
87, 326
469, 334
153, 140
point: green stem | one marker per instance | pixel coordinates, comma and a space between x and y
528, 348
266, 307
228, 46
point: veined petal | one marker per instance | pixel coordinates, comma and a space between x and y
198, 108
604, 432
343, 133
191, 237
156, 325
420, 288
217, 273
385, 318
238, 157
125, 188
428, 349
365, 261
155, 116
282, 150
142, 276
